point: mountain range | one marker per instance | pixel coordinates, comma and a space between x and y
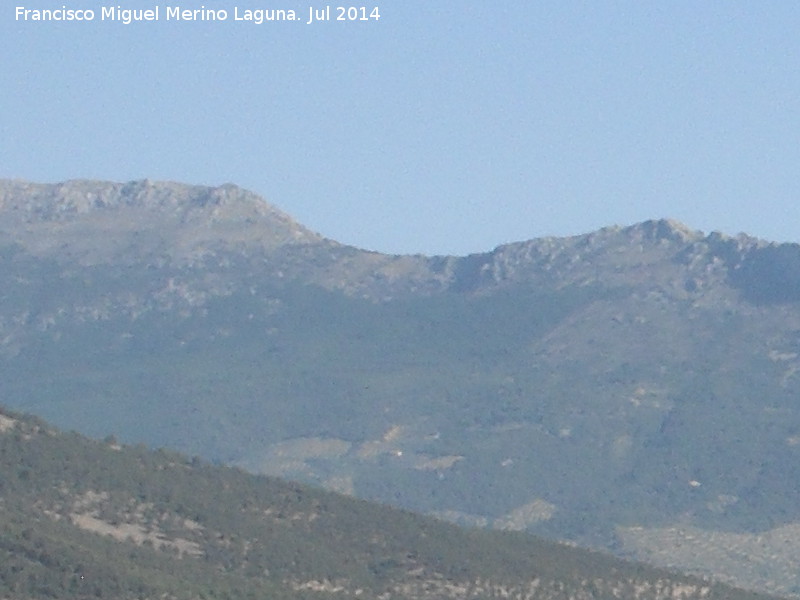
633, 389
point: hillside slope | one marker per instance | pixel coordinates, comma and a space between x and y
85, 519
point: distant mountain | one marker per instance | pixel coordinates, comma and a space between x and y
85, 519
633, 389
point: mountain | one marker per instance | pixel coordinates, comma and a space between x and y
83, 519
631, 389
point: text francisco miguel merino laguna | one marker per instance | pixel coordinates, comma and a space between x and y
176, 13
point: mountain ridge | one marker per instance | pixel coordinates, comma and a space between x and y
195, 215
234, 219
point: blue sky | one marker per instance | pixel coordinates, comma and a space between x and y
446, 127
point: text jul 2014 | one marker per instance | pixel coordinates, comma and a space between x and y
176, 13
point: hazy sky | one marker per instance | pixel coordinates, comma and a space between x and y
444, 127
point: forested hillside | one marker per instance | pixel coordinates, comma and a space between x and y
89, 519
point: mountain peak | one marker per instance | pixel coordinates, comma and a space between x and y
663, 229
179, 219
68, 199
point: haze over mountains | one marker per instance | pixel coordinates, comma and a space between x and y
632, 389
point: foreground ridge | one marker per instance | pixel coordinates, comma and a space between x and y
84, 518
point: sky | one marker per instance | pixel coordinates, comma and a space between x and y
443, 127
